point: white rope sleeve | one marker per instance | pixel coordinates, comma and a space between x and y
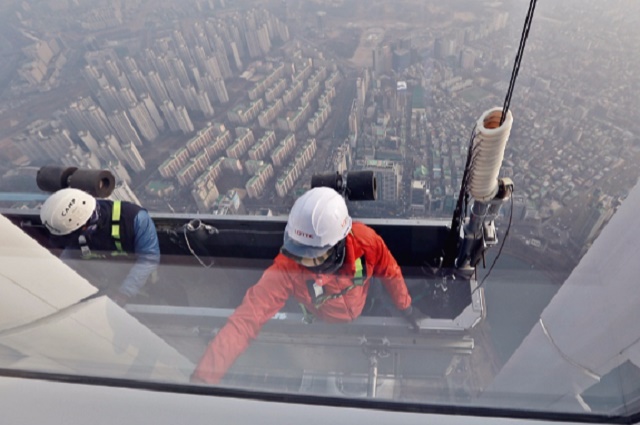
488, 147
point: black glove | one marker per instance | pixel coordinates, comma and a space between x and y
413, 315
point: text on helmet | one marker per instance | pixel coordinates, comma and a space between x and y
303, 234
71, 204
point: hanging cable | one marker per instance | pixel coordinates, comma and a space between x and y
505, 108
464, 190
202, 263
452, 242
196, 225
479, 181
516, 66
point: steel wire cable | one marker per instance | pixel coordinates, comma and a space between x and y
516, 66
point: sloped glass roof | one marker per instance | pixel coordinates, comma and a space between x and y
174, 99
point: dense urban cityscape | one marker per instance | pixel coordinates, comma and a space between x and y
221, 107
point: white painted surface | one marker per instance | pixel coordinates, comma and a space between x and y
588, 328
31, 402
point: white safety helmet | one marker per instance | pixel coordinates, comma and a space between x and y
67, 210
318, 220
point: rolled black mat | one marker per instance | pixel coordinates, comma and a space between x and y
99, 183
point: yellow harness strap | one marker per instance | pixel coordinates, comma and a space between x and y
115, 225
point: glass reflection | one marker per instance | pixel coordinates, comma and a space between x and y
217, 109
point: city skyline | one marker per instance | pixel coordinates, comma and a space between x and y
247, 101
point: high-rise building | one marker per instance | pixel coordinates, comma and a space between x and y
179, 71
341, 160
243, 114
112, 70
443, 48
200, 57
212, 68
184, 121
228, 204
353, 124
98, 122
383, 60
175, 91
108, 98
220, 90
41, 143
286, 147
123, 192
126, 97
76, 157
190, 172
138, 82
258, 183
588, 224
197, 78
263, 146
276, 90
30, 148
178, 118
253, 44
202, 40
132, 157
236, 56
33, 72
119, 172
202, 102
75, 119
293, 92
130, 64
158, 90
418, 197
163, 67
204, 193
270, 113
296, 167
319, 118
124, 129
90, 143
170, 167
178, 38
388, 175
94, 78
169, 112
243, 141
264, 39
361, 92
143, 121
401, 60
107, 154
467, 59
185, 55
61, 138
123, 82
152, 110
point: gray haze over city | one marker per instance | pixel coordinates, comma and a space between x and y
229, 107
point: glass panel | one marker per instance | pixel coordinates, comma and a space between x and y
220, 114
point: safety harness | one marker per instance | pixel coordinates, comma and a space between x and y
116, 213
319, 298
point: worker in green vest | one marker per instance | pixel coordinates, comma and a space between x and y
98, 229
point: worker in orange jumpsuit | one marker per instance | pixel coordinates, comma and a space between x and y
326, 263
